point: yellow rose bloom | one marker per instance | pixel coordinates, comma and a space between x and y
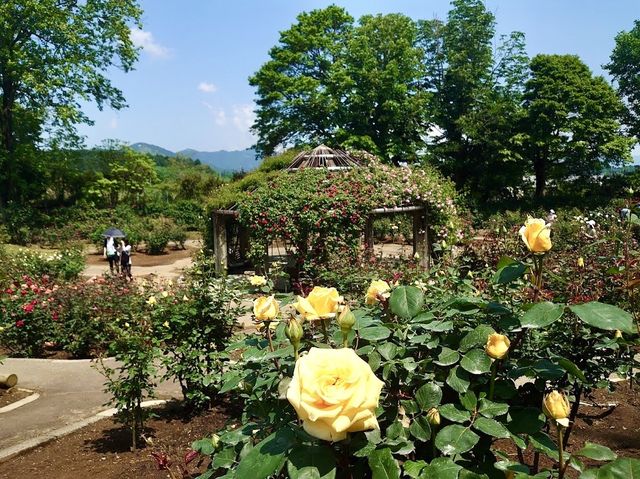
433, 416
497, 346
320, 304
556, 406
165, 294
580, 262
618, 334
377, 289
334, 392
536, 234
265, 308
258, 280
151, 300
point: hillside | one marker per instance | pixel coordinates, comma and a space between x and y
222, 161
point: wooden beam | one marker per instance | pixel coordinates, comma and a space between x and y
368, 236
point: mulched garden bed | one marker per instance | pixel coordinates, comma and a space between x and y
102, 449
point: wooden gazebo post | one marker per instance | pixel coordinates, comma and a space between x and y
220, 242
421, 238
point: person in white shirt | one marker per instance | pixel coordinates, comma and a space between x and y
111, 254
125, 259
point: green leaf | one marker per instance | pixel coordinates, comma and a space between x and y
596, 452
542, 315
420, 428
388, 350
491, 409
458, 379
375, 333
231, 383
509, 271
447, 357
265, 459
469, 401
491, 427
453, 412
571, 368
441, 468
374, 360
383, 465
525, 420
225, 459
477, 337
604, 316
621, 468
406, 301
429, 396
413, 468
543, 443
456, 439
307, 461
476, 361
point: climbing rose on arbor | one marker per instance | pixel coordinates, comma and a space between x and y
334, 392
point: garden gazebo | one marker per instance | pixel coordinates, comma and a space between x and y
231, 239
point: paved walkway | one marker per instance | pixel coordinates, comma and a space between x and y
70, 391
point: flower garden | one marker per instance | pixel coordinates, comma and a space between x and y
478, 367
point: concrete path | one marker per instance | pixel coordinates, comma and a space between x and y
166, 271
70, 391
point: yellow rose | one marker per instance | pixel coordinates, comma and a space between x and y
334, 392
497, 346
536, 234
556, 406
580, 262
265, 308
618, 334
320, 304
258, 280
377, 289
151, 300
433, 416
165, 294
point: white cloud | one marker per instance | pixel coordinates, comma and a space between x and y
243, 117
219, 115
207, 87
145, 40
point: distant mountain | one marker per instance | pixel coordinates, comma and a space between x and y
222, 161
151, 149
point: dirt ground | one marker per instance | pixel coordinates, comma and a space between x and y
611, 419
8, 396
101, 450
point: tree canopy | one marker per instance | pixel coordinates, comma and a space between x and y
572, 124
53, 55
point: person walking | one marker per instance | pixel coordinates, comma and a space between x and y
110, 252
125, 259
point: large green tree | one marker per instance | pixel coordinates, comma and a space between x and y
54, 54
572, 122
624, 67
300, 89
385, 106
476, 96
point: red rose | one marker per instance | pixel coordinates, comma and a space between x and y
19, 323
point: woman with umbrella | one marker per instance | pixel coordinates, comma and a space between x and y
110, 249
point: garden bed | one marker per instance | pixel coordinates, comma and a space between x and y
102, 449
9, 396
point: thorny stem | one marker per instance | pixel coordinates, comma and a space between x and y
324, 330
267, 325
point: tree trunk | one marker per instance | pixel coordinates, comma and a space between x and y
6, 137
539, 168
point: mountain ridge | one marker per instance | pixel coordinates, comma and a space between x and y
221, 160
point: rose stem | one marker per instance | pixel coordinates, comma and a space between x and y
494, 370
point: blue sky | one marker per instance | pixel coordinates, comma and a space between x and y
190, 88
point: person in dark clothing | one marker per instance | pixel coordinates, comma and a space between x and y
125, 259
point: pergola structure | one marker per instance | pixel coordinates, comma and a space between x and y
229, 235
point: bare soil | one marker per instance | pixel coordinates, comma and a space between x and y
101, 450
11, 395
611, 419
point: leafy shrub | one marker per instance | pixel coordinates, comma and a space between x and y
178, 236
